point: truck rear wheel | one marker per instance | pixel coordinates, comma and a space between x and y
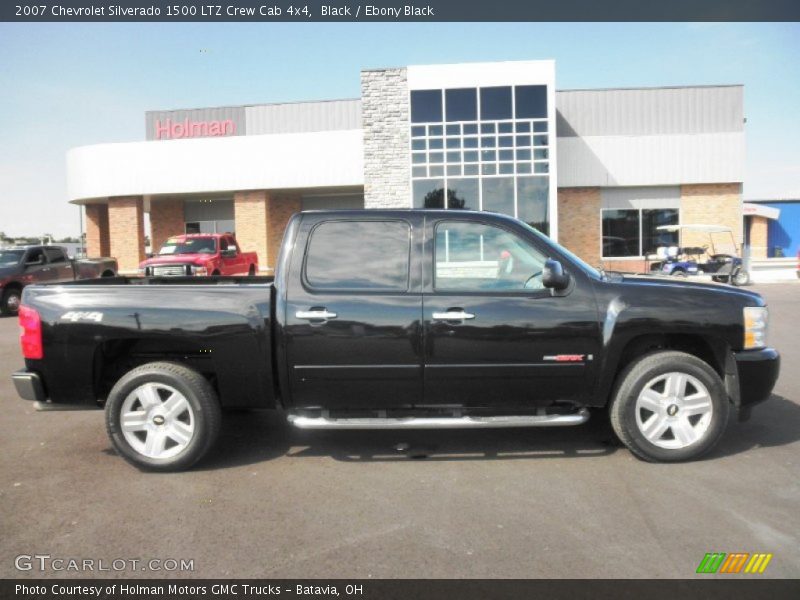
10, 301
669, 406
162, 416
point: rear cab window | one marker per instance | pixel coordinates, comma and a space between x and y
358, 255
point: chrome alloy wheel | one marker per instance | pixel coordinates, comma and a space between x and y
674, 410
157, 420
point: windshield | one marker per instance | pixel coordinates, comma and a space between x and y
9, 258
585, 267
190, 246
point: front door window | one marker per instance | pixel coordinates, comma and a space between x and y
475, 257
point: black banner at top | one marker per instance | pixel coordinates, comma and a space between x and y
396, 11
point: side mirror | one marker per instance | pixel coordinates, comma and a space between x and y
229, 253
554, 277
39, 260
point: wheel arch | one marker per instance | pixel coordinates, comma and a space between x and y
113, 358
712, 351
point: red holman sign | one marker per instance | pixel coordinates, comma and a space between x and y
187, 128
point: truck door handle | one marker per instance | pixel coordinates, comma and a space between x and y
315, 314
453, 315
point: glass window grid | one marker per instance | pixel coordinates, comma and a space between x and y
468, 138
457, 150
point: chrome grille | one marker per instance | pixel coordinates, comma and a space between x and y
169, 271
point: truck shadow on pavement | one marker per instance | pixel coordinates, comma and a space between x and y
249, 438
255, 437
775, 422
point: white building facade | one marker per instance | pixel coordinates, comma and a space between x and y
598, 170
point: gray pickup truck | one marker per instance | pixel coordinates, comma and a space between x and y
44, 264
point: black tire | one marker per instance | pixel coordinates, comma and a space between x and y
10, 301
200, 396
632, 381
741, 277
679, 273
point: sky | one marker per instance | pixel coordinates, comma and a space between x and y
68, 85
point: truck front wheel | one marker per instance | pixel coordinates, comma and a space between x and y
162, 416
669, 406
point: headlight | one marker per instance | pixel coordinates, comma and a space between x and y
755, 327
199, 271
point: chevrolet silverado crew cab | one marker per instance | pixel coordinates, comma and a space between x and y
401, 319
43, 264
200, 254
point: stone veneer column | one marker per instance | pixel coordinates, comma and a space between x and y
97, 242
385, 121
711, 204
579, 222
250, 214
166, 220
280, 208
126, 232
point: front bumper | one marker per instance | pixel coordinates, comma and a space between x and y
757, 371
29, 386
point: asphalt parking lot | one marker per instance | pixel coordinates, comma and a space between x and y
522, 503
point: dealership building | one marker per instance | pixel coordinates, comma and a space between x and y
597, 169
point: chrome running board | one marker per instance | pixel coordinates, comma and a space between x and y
542, 420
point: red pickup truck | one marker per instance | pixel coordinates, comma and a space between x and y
200, 254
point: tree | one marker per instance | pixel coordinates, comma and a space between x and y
435, 199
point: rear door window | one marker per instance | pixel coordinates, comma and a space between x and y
55, 255
359, 255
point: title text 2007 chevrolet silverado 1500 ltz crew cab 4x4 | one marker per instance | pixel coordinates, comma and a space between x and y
393, 319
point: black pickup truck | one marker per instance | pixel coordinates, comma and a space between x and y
400, 319
43, 264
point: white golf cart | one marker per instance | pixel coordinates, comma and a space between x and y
718, 259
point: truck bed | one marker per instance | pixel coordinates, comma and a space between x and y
223, 328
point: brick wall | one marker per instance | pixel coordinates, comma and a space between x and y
712, 204
627, 266
250, 214
579, 222
126, 231
758, 237
280, 208
385, 118
97, 241
166, 220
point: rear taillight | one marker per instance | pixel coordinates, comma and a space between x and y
30, 333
